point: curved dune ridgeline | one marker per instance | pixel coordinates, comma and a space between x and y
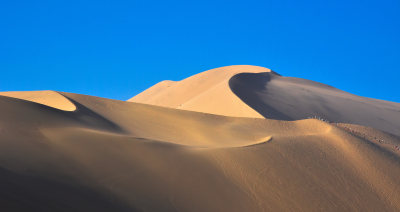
206, 92
48, 98
252, 91
228, 139
289, 98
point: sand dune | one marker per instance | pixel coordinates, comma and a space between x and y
206, 92
269, 95
289, 98
48, 98
110, 155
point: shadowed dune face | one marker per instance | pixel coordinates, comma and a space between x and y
288, 98
247, 87
206, 92
251, 91
27, 192
189, 128
48, 98
70, 152
161, 159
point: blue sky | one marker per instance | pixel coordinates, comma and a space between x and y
116, 49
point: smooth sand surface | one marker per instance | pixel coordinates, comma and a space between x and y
48, 98
206, 92
252, 91
289, 98
110, 155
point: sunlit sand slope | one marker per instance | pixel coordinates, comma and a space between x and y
48, 98
110, 155
207, 92
252, 91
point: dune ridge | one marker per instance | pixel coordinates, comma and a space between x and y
163, 155
252, 91
206, 92
48, 98
191, 128
138, 160
289, 98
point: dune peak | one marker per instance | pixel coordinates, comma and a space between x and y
206, 92
49, 98
112, 155
258, 92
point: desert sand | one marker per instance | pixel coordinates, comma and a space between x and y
237, 138
207, 92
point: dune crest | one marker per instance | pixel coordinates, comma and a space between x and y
48, 98
228, 139
289, 98
206, 92
129, 156
256, 92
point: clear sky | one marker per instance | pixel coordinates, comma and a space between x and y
116, 49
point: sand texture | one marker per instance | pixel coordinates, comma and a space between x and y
222, 140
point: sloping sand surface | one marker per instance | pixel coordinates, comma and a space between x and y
252, 91
289, 98
110, 155
206, 92
49, 98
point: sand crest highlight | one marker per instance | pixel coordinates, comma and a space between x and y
48, 98
228, 139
